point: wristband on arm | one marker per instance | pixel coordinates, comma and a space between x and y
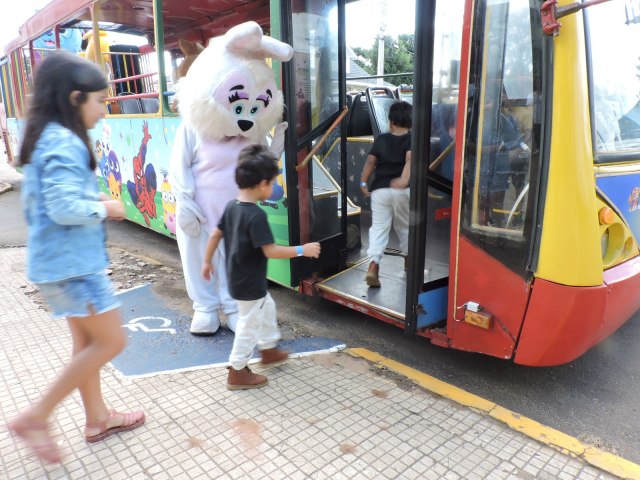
299, 250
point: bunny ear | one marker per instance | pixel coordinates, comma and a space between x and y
272, 48
244, 37
247, 37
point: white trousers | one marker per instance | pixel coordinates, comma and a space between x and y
389, 206
257, 325
207, 295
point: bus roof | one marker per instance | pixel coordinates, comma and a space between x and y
206, 17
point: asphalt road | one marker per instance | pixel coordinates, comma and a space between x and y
594, 398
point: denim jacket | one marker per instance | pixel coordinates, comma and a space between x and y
61, 204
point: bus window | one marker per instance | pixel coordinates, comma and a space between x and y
499, 140
503, 129
446, 79
613, 31
126, 52
315, 43
70, 40
178, 60
315, 62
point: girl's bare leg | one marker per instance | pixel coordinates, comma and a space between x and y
97, 339
95, 408
105, 340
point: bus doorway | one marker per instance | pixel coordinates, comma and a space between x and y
338, 155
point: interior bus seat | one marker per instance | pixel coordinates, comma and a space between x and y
129, 106
150, 105
359, 123
404, 92
380, 100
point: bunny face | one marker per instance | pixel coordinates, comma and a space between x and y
230, 90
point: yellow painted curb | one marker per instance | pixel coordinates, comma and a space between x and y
565, 443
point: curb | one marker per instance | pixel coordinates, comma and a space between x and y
567, 444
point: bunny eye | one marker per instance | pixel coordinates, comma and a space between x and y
238, 109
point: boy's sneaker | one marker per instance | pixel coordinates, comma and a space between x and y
272, 357
372, 275
244, 379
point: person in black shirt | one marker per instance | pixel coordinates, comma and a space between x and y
390, 160
249, 242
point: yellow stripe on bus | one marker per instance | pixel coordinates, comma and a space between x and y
570, 252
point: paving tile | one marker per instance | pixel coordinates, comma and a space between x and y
328, 417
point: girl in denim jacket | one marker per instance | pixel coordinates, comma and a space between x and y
66, 252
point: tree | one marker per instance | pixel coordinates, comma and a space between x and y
398, 58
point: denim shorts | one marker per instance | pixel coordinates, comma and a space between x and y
75, 297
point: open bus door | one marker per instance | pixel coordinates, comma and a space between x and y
313, 85
498, 172
413, 294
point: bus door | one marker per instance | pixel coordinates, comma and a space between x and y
494, 229
313, 86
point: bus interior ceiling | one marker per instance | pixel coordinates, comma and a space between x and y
199, 20
195, 20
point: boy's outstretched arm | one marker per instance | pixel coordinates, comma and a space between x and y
272, 250
212, 246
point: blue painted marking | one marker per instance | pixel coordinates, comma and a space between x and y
434, 303
159, 339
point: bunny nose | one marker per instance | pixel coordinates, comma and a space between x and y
245, 125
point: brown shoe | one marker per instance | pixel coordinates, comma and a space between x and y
372, 275
272, 357
244, 379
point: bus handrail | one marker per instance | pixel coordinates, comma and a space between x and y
133, 96
133, 77
433, 166
317, 146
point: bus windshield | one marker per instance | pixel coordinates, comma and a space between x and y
614, 34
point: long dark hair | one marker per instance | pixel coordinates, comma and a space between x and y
56, 77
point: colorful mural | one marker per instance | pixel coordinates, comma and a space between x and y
131, 150
624, 193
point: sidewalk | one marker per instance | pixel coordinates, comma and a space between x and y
327, 416
8, 175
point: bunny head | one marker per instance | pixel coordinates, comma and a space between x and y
230, 90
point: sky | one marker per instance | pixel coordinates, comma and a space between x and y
364, 19
15, 15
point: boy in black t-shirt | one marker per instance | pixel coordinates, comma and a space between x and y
390, 160
248, 243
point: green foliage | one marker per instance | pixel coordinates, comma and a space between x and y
398, 58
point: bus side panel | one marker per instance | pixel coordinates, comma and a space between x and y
133, 154
499, 291
563, 322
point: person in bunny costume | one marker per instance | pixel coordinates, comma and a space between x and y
228, 100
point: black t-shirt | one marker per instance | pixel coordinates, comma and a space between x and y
246, 229
391, 152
